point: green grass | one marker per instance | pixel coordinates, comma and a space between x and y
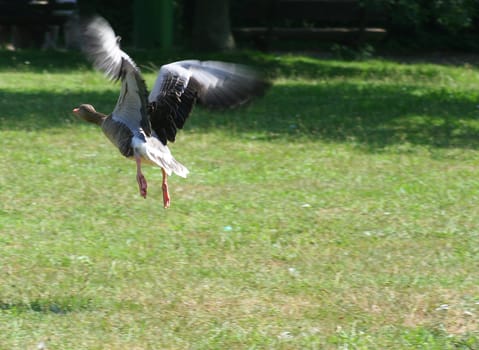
340, 211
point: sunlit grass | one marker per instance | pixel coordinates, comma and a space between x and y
339, 211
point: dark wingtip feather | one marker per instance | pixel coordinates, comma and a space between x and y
242, 94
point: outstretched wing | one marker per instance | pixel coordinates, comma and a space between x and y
213, 84
102, 48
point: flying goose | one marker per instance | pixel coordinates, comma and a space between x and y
141, 124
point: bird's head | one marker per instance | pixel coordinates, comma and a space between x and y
87, 112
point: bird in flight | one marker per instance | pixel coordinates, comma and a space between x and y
142, 123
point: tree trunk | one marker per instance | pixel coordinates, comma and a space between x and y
212, 29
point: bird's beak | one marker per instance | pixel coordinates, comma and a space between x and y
76, 110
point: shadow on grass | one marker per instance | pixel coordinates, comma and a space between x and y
60, 306
374, 116
44, 110
271, 64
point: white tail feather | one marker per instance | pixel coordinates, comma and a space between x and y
164, 159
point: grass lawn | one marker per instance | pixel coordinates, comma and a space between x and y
340, 211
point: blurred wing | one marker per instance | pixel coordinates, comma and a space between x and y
213, 84
102, 48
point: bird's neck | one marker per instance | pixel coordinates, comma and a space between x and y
95, 118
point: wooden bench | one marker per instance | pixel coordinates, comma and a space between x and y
30, 22
341, 21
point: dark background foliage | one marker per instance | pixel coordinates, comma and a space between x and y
426, 24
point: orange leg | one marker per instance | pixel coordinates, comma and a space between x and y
140, 178
164, 187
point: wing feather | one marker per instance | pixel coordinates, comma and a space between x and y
213, 84
102, 48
